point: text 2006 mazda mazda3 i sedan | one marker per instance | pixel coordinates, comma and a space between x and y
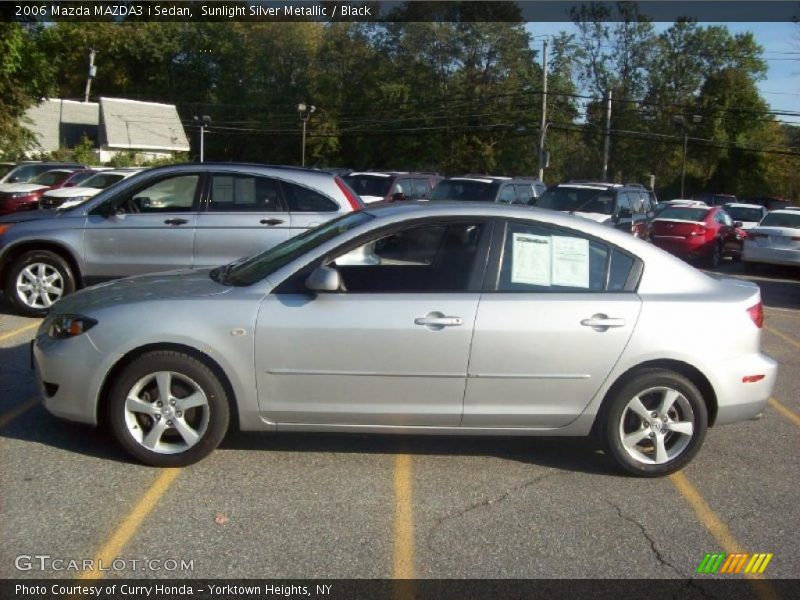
431, 318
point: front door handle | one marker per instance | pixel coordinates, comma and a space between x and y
436, 321
176, 221
601, 322
271, 221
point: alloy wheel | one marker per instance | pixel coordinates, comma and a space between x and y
39, 285
166, 412
656, 425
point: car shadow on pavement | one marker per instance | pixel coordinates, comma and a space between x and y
564, 453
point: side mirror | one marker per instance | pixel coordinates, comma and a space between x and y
737, 223
324, 279
105, 210
69, 184
398, 197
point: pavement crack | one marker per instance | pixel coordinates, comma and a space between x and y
487, 502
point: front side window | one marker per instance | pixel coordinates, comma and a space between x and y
173, 194
426, 258
540, 258
244, 193
524, 194
507, 195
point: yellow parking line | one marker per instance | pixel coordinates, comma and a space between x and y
130, 525
12, 414
789, 414
403, 523
783, 336
719, 530
18, 331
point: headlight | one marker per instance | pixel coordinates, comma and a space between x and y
18, 195
67, 326
5, 227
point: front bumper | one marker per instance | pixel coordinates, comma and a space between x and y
69, 375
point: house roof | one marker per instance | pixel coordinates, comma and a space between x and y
51, 121
135, 125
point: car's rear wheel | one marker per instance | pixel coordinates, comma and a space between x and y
716, 255
36, 281
168, 409
656, 423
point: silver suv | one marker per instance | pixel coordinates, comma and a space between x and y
181, 216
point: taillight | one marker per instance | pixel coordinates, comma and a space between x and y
698, 230
757, 314
640, 230
354, 201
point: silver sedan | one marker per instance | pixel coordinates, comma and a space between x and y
423, 318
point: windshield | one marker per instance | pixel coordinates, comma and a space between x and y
102, 180
24, 173
249, 270
459, 189
588, 200
684, 213
781, 220
51, 177
369, 185
739, 213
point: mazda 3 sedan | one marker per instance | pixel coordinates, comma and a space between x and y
417, 318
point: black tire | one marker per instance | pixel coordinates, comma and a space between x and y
36, 257
715, 258
194, 372
613, 426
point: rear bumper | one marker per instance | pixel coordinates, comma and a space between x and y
687, 248
739, 401
773, 256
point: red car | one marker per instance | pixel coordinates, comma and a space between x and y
25, 196
704, 233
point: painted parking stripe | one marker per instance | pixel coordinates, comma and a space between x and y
719, 531
786, 412
403, 563
18, 331
15, 412
783, 336
130, 525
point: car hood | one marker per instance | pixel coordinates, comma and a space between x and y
596, 217
71, 192
32, 215
21, 187
178, 285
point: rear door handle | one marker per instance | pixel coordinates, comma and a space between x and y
436, 321
601, 322
176, 221
271, 221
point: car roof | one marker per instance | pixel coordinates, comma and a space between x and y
743, 205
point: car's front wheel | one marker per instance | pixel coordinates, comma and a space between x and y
36, 281
168, 409
656, 423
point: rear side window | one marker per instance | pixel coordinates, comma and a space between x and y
303, 199
524, 194
619, 271
507, 195
538, 258
244, 193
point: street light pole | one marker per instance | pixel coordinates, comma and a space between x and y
202, 122
543, 126
305, 111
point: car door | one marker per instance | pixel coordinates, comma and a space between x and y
392, 347
144, 230
623, 213
557, 314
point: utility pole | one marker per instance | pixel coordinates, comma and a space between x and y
92, 73
543, 126
607, 143
683, 170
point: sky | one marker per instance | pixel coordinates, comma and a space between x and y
781, 87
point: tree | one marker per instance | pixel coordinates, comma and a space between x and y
25, 77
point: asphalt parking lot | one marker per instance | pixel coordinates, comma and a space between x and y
381, 507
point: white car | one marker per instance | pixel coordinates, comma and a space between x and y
775, 240
749, 215
72, 196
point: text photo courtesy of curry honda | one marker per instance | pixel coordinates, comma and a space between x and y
399, 299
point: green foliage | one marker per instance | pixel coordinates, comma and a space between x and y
444, 93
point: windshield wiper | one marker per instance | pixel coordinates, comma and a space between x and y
584, 204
